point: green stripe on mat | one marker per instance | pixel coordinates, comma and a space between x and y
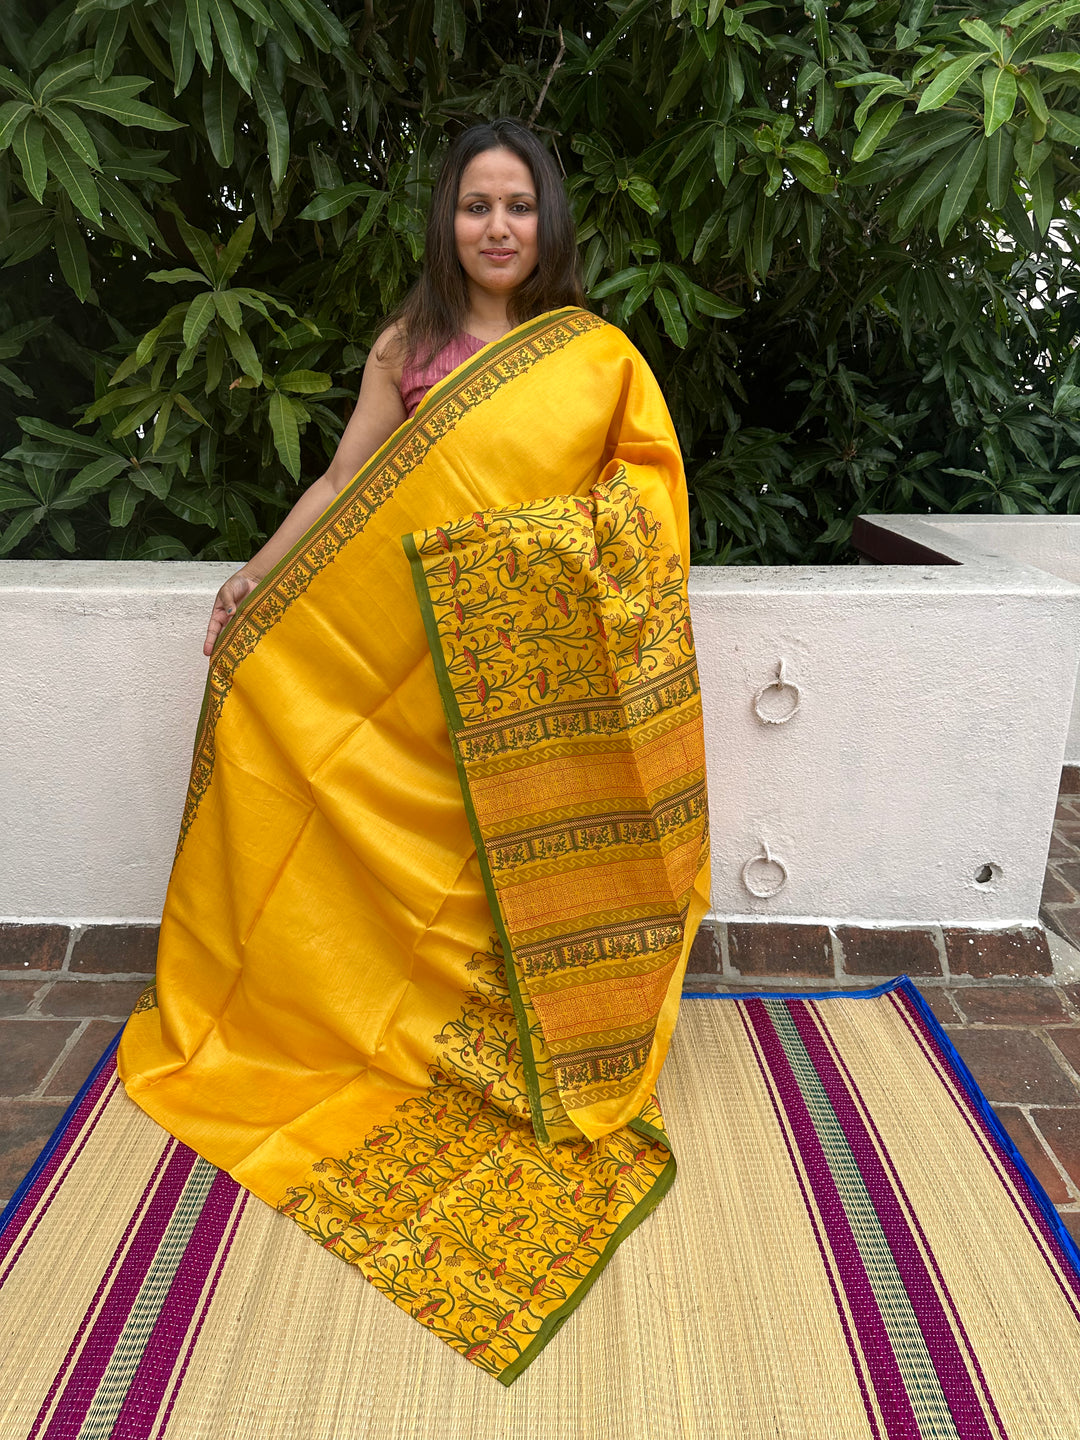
908, 1343
153, 1293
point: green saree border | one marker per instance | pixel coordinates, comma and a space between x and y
641, 1211
453, 718
345, 519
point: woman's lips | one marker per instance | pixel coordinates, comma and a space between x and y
498, 255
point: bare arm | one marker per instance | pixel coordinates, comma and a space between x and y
379, 411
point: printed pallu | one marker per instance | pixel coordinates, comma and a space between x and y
445, 849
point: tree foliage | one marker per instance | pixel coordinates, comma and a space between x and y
843, 235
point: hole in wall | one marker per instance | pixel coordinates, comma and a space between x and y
986, 873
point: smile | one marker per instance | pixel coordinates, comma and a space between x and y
498, 254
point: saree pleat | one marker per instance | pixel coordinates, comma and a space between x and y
445, 849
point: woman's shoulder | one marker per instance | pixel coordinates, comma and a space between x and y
390, 350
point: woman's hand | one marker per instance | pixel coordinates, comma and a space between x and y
237, 588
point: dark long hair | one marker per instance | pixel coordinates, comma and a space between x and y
435, 308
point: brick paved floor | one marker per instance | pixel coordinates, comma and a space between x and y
63, 995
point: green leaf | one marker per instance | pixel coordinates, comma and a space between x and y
878, 126
925, 186
220, 103
961, 183
286, 432
244, 354
1042, 196
29, 146
643, 194
1066, 399
181, 48
132, 219
272, 112
97, 474
239, 243
450, 27
74, 261
999, 97
621, 280
123, 499
304, 382
76, 179
115, 98
228, 307
60, 77
10, 81
979, 30
63, 532
1036, 102
200, 313
163, 547
72, 130
191, 505
1065, 127
181, 276
948, 80
12, 381
725, 148
19, 529
760, 240
999, 167
230, 40
12, 113
198, 19
329, 203
671, 315
111, 34
1058, 60
69, 439
199, 244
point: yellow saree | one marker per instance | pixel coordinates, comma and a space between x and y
427, 1030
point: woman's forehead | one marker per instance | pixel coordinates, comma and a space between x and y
497, 171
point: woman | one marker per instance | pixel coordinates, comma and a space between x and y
430, 1030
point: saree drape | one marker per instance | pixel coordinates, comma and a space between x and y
445, 850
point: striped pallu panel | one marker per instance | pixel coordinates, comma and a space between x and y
853, 1250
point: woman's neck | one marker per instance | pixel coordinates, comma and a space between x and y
487, 318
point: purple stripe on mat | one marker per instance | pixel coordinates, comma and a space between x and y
163, 1344
77, 1389
964, 1403
67, 1144
917, 1227
892, 1397
193, 1341
997, 1154
856, 1362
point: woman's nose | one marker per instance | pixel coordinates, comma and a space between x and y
497, 226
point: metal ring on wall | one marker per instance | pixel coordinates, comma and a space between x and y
769, 859
777, 683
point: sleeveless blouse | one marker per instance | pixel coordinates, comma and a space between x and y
417, 380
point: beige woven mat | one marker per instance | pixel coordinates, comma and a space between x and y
716, 1319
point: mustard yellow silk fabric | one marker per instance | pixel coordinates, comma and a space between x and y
342, 1018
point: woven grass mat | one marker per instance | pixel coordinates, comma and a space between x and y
852, 1249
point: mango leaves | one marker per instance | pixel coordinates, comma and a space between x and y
844, 236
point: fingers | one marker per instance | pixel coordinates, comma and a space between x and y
235, 589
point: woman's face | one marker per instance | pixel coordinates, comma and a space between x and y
495, 221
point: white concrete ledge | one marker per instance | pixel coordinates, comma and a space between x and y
914, 785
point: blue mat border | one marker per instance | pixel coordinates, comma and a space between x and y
904, 984
8, 1212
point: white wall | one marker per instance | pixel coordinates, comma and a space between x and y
102, 673
1049, 542
928, 743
